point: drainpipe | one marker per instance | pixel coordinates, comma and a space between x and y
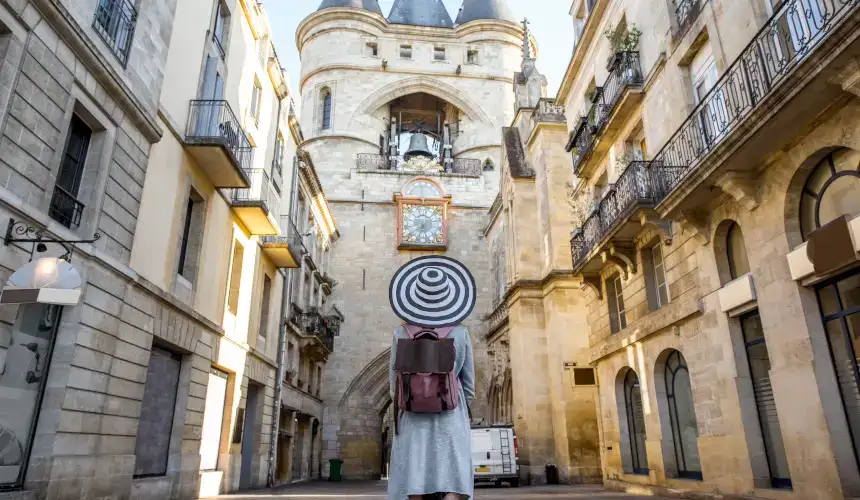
286, 311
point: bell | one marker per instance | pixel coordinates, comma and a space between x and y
418, 147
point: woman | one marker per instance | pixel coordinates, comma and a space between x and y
432, 452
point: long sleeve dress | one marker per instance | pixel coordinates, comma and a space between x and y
433, 451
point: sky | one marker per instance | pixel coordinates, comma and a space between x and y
550, 25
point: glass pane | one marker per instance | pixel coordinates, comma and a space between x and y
687, 430
807, 214
819, 177
213, 418
664, 294
738, 261
23, 360
846, 160
829, 300
752, 329
842, 197
849, 291
844, 357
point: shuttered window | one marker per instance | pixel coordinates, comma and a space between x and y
635, 424
759, 363
157, 413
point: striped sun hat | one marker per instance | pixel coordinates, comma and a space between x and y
432, 292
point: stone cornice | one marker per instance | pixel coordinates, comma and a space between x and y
549, 278
478, 26
416, 72
589, 33
561, 126
102, 71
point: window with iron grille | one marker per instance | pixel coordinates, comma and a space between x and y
115, 21
65, 207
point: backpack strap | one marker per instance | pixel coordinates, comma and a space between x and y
413, 330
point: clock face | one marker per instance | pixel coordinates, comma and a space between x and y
422, 224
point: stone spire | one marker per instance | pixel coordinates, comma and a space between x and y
420, 13
529, 84
371, 5
485, 9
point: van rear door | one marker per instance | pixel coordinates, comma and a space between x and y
482, 452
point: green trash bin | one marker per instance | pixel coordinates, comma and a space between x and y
334, 474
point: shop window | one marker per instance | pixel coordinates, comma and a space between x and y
759, 366
682, 417
635, 458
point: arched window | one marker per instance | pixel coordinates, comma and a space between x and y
736, 252
488, 165
635, 424
325, 101
832, 190
682, 416
424, 189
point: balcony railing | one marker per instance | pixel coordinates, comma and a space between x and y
313, 324
462, 166
261, 191
789, 36
212, 121
636, 188
626, 71
288, 234
115, 21
65, 208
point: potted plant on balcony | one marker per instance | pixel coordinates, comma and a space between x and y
625, 41
288, 376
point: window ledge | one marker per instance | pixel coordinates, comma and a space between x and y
668, 315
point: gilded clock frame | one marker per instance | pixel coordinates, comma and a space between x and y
403, 201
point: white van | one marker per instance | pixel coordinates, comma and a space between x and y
494, 455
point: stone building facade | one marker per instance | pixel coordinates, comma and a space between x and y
713, 146
159, 141
374, 91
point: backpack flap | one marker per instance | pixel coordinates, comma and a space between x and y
425, 356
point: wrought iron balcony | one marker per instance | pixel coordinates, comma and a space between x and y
636, 189
320, 330
461, 166
65, 208
770, 60
216, 139
259, 204
115, 21
286, 249
598, 124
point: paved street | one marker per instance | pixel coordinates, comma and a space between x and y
376, 490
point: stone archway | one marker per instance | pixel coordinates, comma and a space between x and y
426, 85
361, 413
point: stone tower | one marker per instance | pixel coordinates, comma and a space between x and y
403, 117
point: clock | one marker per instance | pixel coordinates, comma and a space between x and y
423, 225
422, 216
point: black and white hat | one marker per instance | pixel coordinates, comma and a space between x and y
432, 292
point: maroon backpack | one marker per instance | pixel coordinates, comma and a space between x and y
426, 382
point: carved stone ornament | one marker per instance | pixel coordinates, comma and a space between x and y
422, 164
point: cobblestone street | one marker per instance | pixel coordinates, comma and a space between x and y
376, 490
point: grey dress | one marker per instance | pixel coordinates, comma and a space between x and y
433, 451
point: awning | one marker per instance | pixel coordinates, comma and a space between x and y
47, 280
